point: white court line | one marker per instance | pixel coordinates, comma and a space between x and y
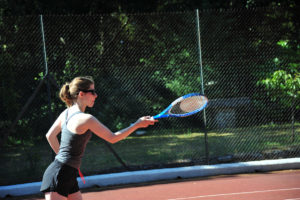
293, 199
238, 193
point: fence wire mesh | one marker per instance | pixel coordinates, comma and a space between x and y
141, 63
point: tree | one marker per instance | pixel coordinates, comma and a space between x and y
283, 85
284, 88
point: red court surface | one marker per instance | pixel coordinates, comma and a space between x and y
281, 185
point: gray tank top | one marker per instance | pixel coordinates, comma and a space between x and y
72, 145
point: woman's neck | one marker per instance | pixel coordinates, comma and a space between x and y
78, 107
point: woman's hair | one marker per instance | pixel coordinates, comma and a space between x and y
69, 91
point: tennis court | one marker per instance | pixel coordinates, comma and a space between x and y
277, 185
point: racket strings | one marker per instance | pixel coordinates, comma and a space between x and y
188, 105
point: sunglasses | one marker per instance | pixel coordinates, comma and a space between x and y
91, 91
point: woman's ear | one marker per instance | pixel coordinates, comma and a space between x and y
80, 93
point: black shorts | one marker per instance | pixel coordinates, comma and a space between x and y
60, 178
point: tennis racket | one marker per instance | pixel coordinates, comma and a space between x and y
184, 106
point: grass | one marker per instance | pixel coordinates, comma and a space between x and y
21, 164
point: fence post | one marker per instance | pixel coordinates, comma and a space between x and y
46, 75
202, 85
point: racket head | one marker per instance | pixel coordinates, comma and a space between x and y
184, 106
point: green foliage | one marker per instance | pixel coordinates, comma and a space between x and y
177, 77
283, 85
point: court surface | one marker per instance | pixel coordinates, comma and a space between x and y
279, 185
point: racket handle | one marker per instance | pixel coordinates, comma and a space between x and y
159, 116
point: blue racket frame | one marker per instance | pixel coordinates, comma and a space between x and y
165, 113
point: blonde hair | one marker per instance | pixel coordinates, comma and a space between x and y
69, 91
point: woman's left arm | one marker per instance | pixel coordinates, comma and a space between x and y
53, 132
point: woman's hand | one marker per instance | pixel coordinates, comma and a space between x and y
145, 121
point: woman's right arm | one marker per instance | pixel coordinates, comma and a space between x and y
102, 131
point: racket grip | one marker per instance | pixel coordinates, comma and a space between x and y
159, 116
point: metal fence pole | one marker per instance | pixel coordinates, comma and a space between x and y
44, 45
46, 75
202, 84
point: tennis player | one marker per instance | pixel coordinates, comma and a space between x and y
76, 127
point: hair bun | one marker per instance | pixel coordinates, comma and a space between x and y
67, 85
68, 94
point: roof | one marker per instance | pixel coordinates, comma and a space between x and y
229, 102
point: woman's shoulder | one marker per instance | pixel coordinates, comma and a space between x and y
62, 114
85, 115
82, 116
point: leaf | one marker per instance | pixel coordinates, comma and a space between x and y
283, 43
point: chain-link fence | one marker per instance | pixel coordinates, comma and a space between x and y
245, 61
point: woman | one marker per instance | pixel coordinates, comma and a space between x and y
76, 127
